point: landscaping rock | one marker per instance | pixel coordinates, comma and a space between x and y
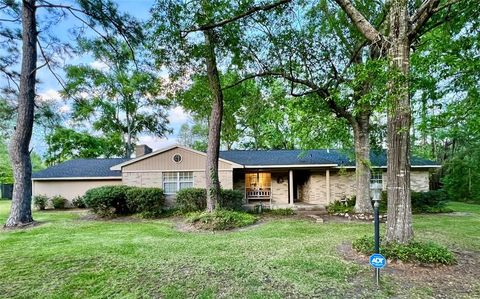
317, 218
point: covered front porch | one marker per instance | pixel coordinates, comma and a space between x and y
300, 189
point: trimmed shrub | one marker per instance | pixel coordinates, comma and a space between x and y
108, 201
58, 202
423, 252
433, 201
383, 203
221, 219
40, 201
148, 202
78, 202
191, 200
195, 199
231, 200
429, 202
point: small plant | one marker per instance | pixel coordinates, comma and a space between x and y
423, 252
40, 202
221, 219
78, 202
58, 202
148, 202
341, 207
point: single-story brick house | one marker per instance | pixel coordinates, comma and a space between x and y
275, 177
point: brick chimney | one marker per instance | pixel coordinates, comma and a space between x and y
141, 150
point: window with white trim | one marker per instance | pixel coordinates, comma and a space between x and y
376, 176
175, 181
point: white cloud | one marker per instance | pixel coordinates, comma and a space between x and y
177, 115
83, 95
49, 95
65, 109
99, 65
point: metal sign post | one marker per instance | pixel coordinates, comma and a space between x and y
377, 260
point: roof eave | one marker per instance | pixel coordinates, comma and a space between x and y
291, 166
384, 166
78, 178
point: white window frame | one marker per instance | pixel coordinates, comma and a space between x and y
376, 176
176, 181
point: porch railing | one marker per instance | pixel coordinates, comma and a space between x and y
260, 193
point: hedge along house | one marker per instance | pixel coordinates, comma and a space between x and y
277, 178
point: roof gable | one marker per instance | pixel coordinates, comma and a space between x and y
163, 150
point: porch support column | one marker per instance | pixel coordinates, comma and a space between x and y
327, 184
290, 186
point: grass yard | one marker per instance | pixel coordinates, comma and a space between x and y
69, 257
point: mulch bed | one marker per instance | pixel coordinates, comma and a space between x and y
461, 280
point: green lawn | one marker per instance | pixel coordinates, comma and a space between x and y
69, 257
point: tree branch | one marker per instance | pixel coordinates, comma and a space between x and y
10, 77
94, 30
50, 68
247, 13
322, 92
362, 24
116, 25
421, 16
10, 20
448, 4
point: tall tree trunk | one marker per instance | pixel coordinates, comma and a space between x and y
361, 135
399, 227
128, 149
215, 123
21, 212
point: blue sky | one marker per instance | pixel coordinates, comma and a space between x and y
49, 86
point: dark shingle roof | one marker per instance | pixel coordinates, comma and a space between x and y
87, 168
306, 157
277, 157
81, 168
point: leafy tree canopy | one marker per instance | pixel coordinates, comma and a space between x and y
123, 99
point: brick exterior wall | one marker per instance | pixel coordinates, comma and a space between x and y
225, 177
342, 184
154, 179
315, 189
280, 190
142, 179
420, 181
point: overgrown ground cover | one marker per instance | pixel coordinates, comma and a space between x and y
67, 257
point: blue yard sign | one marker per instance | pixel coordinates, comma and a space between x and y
378, 261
